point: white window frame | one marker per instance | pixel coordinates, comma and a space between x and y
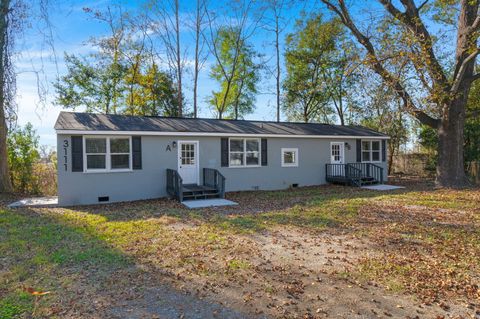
259, 140
108, 154
294, 150
371, 151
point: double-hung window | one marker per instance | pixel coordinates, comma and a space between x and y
244, 152
107, 154
370, 151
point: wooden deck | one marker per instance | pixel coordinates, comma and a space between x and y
354, 174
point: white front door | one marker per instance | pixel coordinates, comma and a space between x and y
337, 153
188, 161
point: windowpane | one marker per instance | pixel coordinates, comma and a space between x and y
96, 161
289, 157
375, 145
236, 145
119, 145
252, 145
96, 145
120, 161
375, 156
366, 146
365, 156
252, 158
236, 159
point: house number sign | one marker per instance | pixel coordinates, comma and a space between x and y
65, 150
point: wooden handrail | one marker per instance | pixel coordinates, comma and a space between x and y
354, 171
213, 178
174, 184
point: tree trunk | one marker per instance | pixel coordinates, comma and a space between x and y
450, 167
196, 70
5, 184
179, 62
277, 53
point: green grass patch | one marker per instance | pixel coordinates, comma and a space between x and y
15, 304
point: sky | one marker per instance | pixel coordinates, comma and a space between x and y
39, 62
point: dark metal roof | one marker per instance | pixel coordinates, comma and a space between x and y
101, 122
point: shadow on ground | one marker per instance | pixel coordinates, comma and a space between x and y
84, 274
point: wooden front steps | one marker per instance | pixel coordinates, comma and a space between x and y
194, 191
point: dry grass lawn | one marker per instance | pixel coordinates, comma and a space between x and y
315, 252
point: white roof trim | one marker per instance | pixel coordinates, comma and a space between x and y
156, 133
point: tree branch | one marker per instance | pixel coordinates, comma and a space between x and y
411, 19
377, 66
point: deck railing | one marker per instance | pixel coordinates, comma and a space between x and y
369, 170
174, 184
213, 178
354, 171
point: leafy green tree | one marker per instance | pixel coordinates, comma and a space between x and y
155, 93
237, 74
95, 86
307, 58
22, 155
472, 125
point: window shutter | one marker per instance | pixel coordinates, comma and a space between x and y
264, 152
384, 151
77, 153
359, 150
137, 152
224, 152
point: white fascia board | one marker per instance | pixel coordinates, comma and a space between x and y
156, 133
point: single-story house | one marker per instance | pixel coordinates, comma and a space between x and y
112, 158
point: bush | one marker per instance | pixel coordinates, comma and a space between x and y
29, 173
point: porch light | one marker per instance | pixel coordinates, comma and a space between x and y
347, 146
174, 144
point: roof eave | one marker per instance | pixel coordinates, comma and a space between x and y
214, 134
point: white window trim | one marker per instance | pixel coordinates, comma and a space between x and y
108, 154
295, 150
245, 152
371, 151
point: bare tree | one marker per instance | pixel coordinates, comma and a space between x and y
277, 24
447, 92
168, 29
200, 54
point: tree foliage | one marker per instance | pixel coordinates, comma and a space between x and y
121, 77
308, 57
22, 155
236, 73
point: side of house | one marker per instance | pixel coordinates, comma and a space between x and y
99, 166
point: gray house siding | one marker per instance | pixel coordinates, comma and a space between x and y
78, 188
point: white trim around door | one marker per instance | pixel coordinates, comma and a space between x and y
188, 161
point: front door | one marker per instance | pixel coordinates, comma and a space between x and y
188, 161
337, 153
